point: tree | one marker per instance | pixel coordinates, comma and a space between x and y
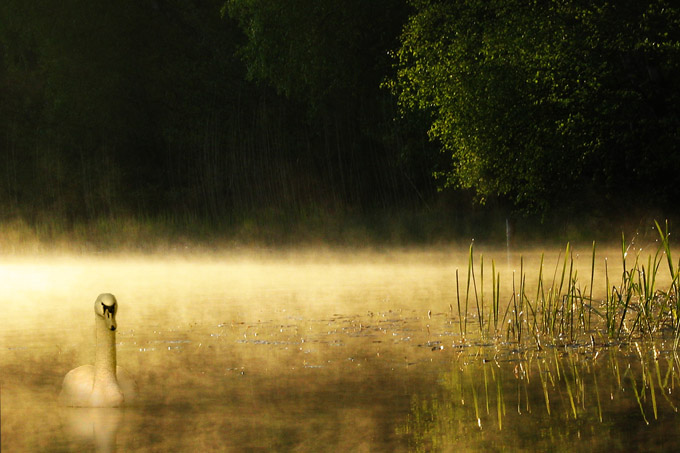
543, 102
329, 57
318, 51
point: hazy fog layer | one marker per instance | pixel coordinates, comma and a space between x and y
247, 343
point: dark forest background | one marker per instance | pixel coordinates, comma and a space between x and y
427, 117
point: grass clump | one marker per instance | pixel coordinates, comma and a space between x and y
565, 312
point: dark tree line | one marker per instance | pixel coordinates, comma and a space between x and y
156, 106
215, 110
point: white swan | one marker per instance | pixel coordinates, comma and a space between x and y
104, 384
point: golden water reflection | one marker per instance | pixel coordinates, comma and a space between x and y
562, 399
332, 352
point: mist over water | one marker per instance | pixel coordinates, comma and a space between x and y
330, 351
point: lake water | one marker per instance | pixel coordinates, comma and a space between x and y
312, 351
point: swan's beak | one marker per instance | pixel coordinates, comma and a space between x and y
110, 320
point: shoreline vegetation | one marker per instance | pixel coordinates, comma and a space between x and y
406, 229
562, 311
343, 122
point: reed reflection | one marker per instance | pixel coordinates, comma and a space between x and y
536, 398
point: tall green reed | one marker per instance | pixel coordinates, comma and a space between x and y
563, 311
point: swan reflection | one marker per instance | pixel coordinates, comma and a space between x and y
97, 426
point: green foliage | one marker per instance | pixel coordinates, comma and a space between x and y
318, 51
540, 101
327, 58
562, 310
274, 108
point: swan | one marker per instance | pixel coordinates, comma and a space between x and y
104, 384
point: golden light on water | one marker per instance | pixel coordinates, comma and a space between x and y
272, 350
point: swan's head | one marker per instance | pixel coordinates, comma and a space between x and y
106, 307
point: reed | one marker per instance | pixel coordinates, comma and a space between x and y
460, 318
495, 296
565, 312
592, 282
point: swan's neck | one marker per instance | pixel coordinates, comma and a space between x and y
105, 355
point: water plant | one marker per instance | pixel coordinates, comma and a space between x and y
563, 311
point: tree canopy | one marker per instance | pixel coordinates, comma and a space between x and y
219, 109
544, 102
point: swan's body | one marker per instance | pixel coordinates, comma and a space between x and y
105, 384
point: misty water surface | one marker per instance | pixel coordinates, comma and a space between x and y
334, 351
